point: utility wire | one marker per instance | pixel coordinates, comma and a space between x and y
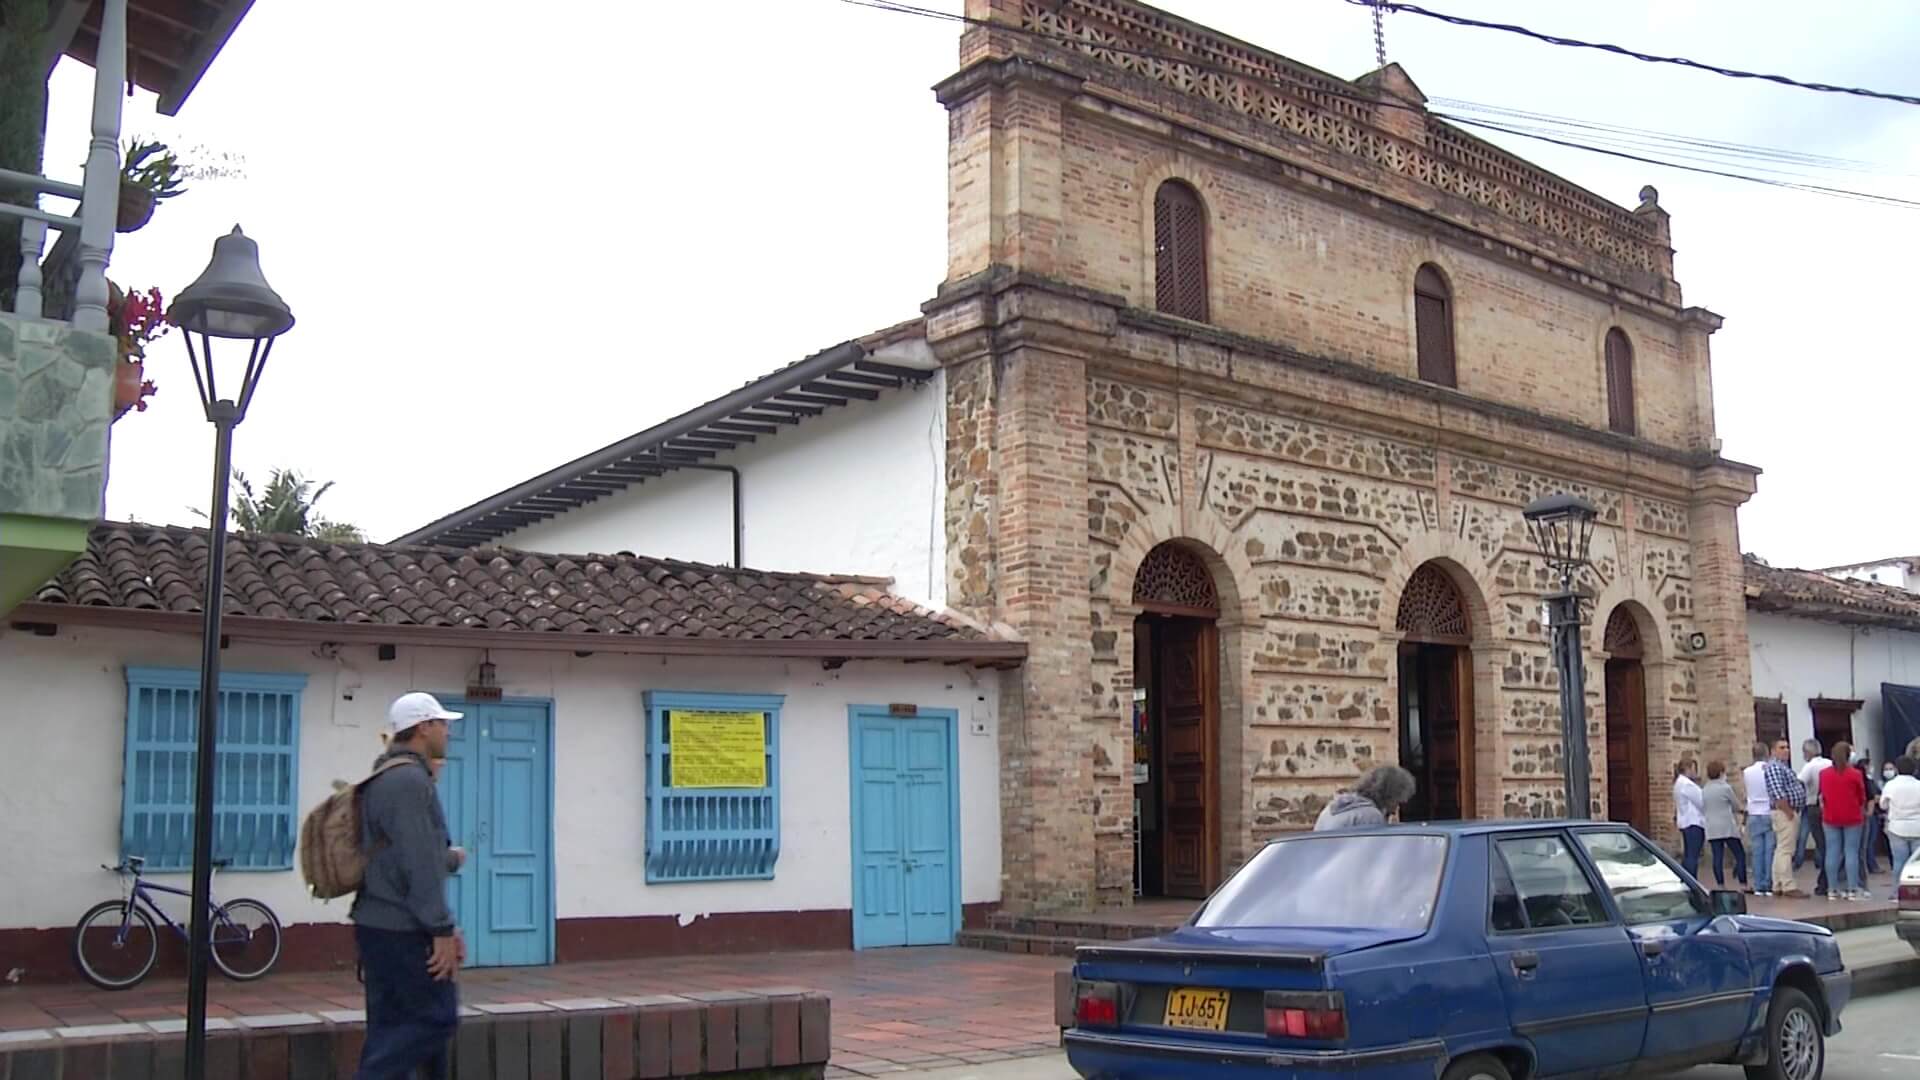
1651, 58
1867, 196
1823, 161
900, 8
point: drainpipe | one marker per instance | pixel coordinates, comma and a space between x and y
739, 525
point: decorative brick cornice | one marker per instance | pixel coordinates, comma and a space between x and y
1148, 55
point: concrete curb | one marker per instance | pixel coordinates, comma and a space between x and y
1886, 976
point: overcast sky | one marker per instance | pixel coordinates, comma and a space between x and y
511, 238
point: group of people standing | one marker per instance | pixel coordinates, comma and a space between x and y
1842, 808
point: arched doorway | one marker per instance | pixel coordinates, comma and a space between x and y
1176, 722
1436, 696
1628, 789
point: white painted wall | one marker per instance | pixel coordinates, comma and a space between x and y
1800, 659
857, 490
1896, 573
65, 717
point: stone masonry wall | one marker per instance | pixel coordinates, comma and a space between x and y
56, 393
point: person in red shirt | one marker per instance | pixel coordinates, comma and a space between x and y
1843, 801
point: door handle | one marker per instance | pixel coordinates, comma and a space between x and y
1525, 963
1651, 947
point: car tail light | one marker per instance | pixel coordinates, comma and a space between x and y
1096, 1004
1910, 894
1306, 1016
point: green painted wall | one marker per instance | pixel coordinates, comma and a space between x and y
56, 402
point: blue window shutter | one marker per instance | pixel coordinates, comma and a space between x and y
710, 834
256, 768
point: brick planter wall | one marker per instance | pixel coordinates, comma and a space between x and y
749, 1036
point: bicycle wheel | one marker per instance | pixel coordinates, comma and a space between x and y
246, 939
115, 945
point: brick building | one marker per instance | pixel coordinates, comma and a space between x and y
1245, 372
1251, 370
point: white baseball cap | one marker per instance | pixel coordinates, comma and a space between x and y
410, 710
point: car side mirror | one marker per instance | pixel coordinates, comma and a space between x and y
1727, 902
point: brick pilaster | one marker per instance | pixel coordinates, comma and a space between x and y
1723, 670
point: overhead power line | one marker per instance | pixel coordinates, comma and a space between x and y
1621, 50
1702, 150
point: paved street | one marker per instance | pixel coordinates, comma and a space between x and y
900, 1011
1880, 1040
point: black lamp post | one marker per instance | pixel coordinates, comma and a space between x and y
232, 300
1562, 528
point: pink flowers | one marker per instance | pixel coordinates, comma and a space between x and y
142, 319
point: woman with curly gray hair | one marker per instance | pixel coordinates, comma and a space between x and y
1378, 795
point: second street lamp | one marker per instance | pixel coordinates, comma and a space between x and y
1562, 529
230, 300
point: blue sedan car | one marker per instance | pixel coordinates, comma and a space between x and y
1468, 951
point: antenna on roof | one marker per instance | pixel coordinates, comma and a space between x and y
1379, 34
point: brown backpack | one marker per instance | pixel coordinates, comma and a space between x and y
331, 858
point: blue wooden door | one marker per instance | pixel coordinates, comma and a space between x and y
906, 866
496, 790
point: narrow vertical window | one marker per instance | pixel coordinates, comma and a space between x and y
1433, 326
1180, 251
1619, 382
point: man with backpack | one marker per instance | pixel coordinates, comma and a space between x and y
409, 946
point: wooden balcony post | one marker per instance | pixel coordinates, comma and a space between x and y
100, 205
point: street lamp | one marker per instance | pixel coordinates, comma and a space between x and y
230, 300
1562, 528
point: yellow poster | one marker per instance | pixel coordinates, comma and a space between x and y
718, 749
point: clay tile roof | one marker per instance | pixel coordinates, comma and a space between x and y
1810, 594
160, 569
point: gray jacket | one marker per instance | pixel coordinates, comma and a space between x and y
404, 832
1349, 811
1722, 808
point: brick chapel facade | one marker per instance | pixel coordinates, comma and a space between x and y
1250, 371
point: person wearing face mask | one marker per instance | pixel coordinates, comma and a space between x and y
1900, 798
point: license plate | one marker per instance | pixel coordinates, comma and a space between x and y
1205, 1010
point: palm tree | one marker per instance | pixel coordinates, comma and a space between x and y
286, 507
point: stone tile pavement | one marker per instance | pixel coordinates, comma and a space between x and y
894, 1011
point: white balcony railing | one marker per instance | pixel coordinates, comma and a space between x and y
98, 193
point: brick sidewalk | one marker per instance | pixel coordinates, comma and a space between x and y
894, 1011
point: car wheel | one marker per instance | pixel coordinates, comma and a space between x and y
1477, 1067
1796, 1040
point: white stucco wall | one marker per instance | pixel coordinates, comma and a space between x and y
857, 490
65, 715
1894, 573
1800, 659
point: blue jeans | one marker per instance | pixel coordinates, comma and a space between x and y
410, 1017
1843, 857
1760, 839
1810, 824
1693, 837
1720, 849
1904, 848
1869, 856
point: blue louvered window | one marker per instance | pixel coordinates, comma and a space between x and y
713, 787
256, 768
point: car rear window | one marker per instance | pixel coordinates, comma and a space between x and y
1387, 882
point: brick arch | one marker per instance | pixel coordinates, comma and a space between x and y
1463, 565
1237, 591
1460, 293
1233, 575
1466, 570
1154, 171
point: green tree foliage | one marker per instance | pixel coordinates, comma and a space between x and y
285, 507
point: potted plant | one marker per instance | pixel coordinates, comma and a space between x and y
135, 319
151, 173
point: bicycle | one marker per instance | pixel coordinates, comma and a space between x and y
116, 942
